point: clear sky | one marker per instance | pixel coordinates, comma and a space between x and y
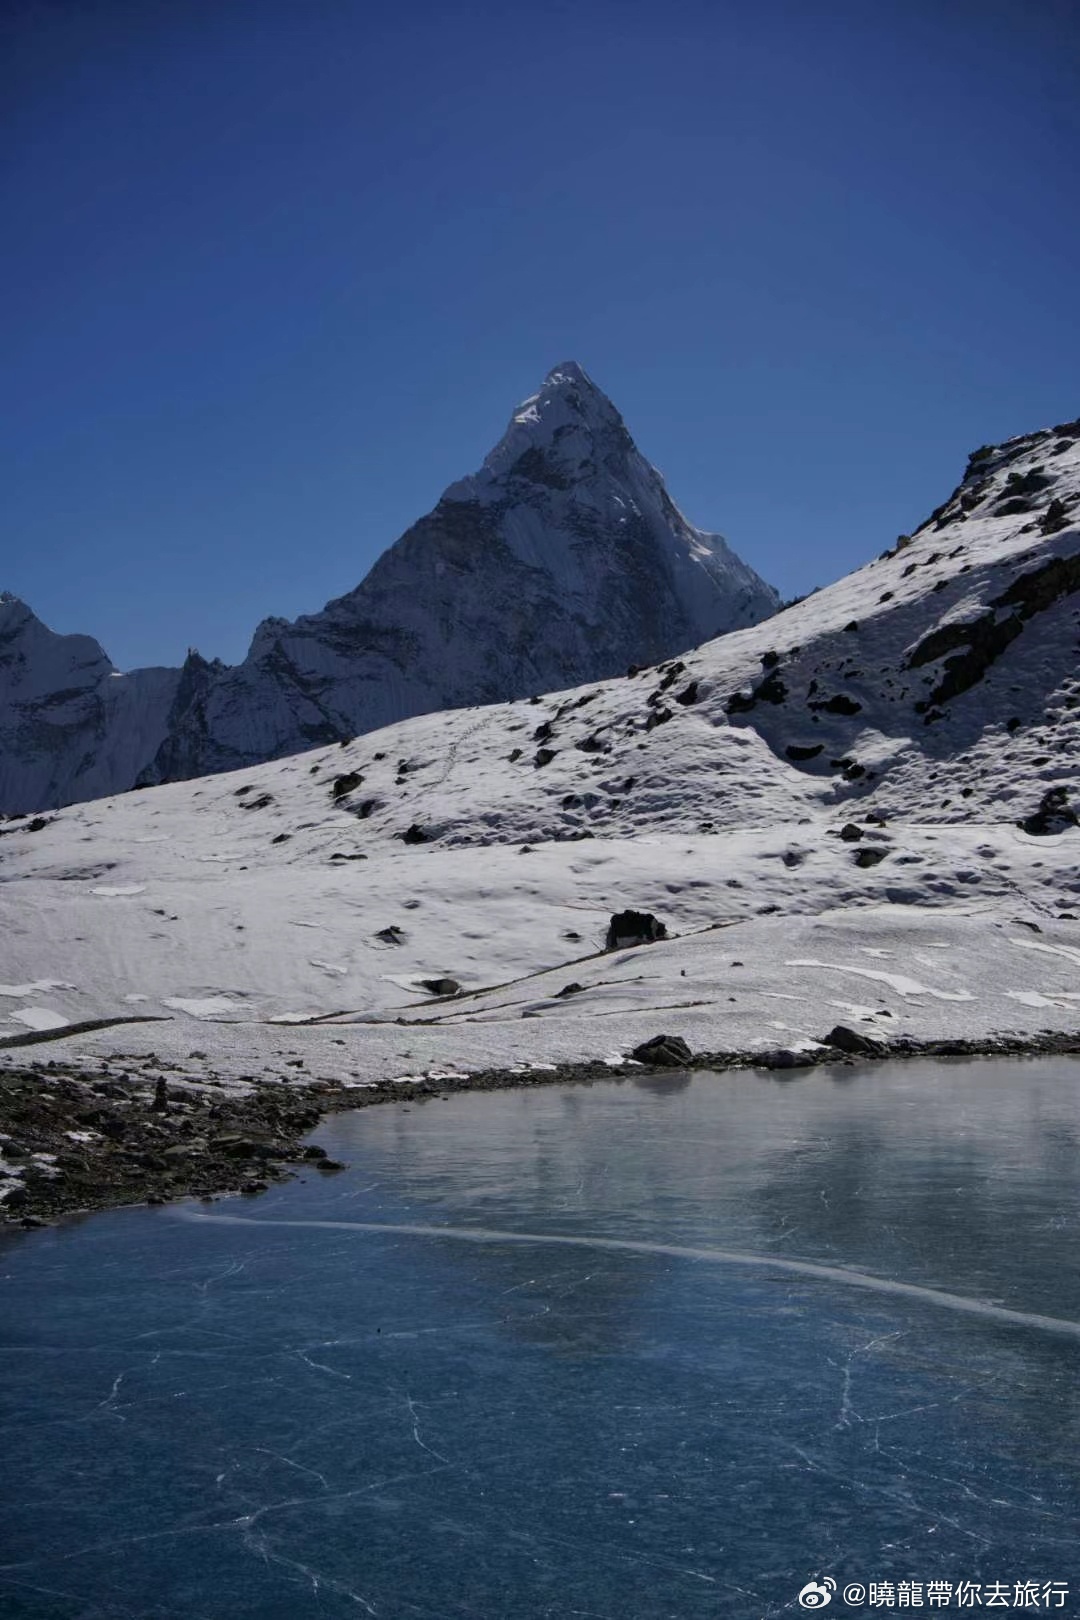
277, 271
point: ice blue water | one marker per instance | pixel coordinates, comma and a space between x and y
664, 1347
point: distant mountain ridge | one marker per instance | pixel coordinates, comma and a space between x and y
562, 560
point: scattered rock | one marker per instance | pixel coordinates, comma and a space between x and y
633, 928
770, 690
869, 857
414, 835
850, 1040
664, 1052
840, 703
345, 784
785, 1057
1055, 518
1054, 815
574, 989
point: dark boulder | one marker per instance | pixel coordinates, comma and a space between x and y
664, 1052
633, 928
850, 1040
850, 833
441, 987
1054, 815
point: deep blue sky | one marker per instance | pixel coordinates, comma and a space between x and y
277, 271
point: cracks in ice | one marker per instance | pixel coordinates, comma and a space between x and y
414, 1416
847, 1410
231, 1270
242, 1522
109, 1403
320, 1366
301, 1468
317, 1582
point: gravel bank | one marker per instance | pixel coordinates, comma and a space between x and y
73, 1141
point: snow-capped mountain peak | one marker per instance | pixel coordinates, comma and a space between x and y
563, 559
565, 436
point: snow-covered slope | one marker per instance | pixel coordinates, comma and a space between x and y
863, 809
562, 560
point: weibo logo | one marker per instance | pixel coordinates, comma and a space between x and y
815, 1594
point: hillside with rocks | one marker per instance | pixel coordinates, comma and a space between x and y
861, 812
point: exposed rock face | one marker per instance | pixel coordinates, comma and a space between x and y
71, 726
562, 560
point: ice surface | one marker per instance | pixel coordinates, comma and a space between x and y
666, 1346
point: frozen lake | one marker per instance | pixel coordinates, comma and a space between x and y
659, 1347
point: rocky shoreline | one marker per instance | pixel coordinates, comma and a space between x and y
72, 1142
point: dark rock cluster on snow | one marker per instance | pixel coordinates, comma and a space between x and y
633, 928
664, 1052
1054, 815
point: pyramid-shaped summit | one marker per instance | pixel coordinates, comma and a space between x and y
561, 560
